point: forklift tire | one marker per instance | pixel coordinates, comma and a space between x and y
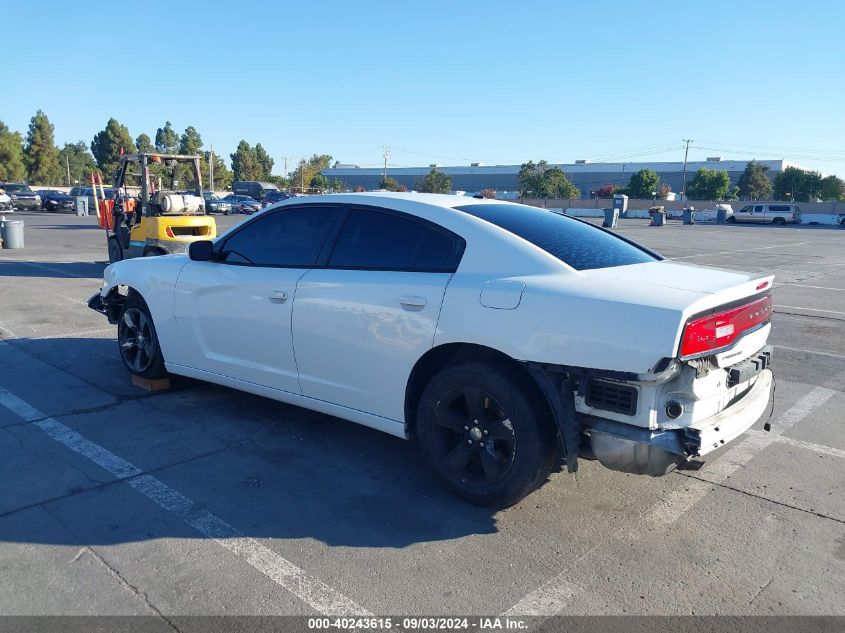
138, 341
115, 250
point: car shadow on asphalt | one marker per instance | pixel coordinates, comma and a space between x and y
270, 469
54, 270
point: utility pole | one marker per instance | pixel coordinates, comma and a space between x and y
684, 186
285, 159
302, 176
386, 155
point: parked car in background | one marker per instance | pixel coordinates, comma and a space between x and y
255, 189
841, 220
490, 332
5, 200
275, 196
768, 213
89, 193
241, 204
52, 200
22, 197
215, 204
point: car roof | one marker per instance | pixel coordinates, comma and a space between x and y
444, 200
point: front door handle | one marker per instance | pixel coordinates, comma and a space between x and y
280, 296
410, 302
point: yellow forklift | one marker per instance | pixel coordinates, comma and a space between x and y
166, 216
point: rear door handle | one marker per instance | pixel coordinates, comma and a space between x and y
280, 296
410, 302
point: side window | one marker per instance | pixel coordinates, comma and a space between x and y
290, 238
745, 209
758, 208
375, 240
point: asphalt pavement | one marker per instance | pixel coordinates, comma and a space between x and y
205, 500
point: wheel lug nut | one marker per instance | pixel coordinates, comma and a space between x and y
469, 442
466, 428
475, 422
485, 431
481, 444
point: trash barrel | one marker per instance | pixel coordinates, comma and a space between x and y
611, 218
721, 216
12, 233
689, 216
81, 205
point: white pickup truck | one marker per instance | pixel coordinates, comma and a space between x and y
496, 334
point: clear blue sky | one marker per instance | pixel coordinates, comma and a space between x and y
446, 82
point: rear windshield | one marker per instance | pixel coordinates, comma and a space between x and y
578, 244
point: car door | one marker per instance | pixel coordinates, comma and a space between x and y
361, 321
234, 312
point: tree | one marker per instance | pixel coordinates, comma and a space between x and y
435, 182
359, 189
557, 185
190, 142
606, 191
264, 161
307, 169
167, 141
832, 189
389, 183
319, 182
708, 184
488, 193
337, 185
643, 184
245, 163
223, 176
144, 144
754, 183
108, 144
75, 158
40, 153
797, 184
12, 167
542, 181
664, 191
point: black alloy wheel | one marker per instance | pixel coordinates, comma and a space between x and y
138, 342
486, 432
474, 436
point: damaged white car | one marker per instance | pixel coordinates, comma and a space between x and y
496, 334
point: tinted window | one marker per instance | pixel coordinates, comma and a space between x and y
292, 237
779, 207
18, 189
386, 241
579, 244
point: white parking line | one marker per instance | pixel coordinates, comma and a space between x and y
761, 248
312, 591
810, 351
809, 309
810, 446
732, 459
552, 597
816, 287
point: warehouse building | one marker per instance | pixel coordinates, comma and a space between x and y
586, 175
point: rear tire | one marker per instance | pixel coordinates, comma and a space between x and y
731, 220
115, 250
486, 433
137, 340
779, 221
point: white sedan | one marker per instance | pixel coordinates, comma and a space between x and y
496, 334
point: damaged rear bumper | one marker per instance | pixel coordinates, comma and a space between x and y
641, 451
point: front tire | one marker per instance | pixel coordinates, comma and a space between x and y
731, 220
115, 250
486, 433
137, 340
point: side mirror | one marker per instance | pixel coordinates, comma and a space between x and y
201, 251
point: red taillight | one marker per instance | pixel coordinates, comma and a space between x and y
714, 331
169, 232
